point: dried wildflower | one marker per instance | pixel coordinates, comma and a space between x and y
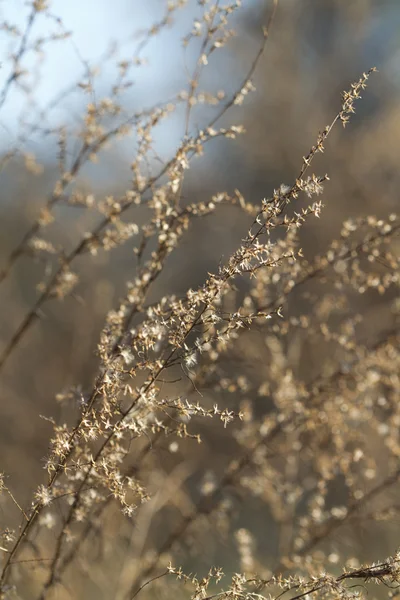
213, 361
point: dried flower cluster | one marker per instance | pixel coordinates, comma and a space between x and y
319, 452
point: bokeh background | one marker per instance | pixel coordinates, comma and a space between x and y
315, 50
